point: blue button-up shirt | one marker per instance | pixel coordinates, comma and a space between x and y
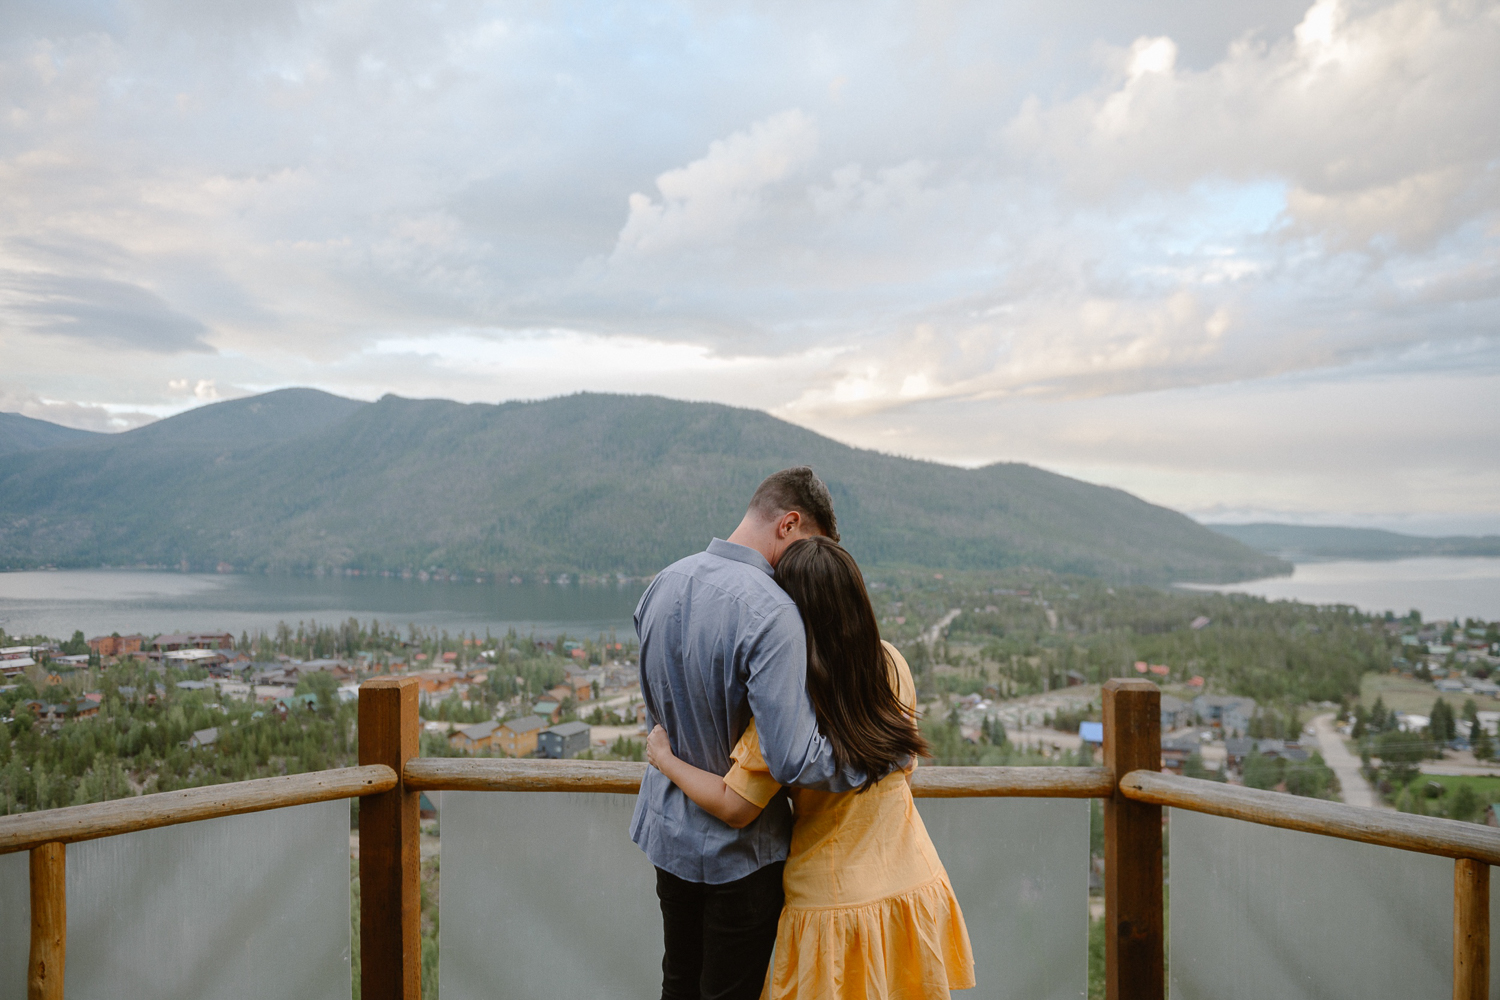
720, 643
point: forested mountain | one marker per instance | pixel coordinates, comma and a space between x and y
299, 480
1296, 541
18, 433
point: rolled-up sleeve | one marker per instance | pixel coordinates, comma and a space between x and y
795, 752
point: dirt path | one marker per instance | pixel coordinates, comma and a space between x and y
1356, 790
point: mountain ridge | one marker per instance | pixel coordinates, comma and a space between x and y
1302, 541
300, 480
19, 433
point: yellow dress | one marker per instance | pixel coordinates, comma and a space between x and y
870, 913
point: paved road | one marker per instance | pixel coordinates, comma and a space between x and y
1356, 790
935, 633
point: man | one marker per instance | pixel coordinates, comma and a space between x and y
720, 643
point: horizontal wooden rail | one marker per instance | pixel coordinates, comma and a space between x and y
502, 774
147, 812
506, 775
1017, 782
1422, 834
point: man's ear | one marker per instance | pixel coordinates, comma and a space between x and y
788, 523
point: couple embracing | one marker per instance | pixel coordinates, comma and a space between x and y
777, 809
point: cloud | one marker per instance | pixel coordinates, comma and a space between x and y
1379, 118
98, 310
919, 222
83, 416
705, 202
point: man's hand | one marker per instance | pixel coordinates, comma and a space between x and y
659, 749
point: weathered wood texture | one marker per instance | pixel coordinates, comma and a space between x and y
390, 941
503, 775
146, 812
1134, 954
1423, 834
49, 922
1471, 930
1019, 782
523, 775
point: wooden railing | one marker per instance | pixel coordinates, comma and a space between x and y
390, 778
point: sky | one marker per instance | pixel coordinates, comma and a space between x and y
1239, 259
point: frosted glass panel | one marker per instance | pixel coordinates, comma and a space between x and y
1020, 868
254, 905
15, 923
1259, 912
543, 894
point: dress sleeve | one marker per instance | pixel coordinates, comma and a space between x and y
749, 776
906, 689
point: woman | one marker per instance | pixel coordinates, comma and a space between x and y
869, 909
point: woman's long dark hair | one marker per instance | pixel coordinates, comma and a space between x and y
849, 674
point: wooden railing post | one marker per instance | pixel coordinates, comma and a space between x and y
1133, 945
390, 912
49, 922
1471, 930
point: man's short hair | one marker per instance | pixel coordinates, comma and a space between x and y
800, 490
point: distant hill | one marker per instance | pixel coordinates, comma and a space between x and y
299, 480
1304, 542
18, 434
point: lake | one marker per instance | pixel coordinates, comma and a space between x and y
102, 601
1439, 587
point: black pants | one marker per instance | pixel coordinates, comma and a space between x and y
718, 937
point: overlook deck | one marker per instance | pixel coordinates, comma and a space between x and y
529, 882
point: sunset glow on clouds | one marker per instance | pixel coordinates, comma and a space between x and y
1239, 259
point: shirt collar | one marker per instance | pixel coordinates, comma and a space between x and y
740, 553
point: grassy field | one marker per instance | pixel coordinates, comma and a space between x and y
1486, 787
1406, 694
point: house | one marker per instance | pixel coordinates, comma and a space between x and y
15, 666
548, 709
1176, 750
203, 738
480, 736
182, 659
1175, 713
55, 713
116, 644
517, 737
1237, 748
191, 640
1232, 714
586, 682
562, 691
211, 640
563, 742
1290, 752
